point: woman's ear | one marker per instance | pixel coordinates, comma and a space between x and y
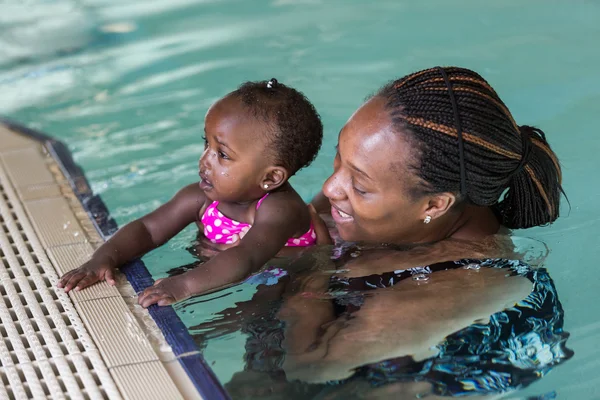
439, 205
274, 177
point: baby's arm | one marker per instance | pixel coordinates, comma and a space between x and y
137, 238
275, 222
321, 203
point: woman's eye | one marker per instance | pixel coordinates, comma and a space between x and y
357, 190
336, 161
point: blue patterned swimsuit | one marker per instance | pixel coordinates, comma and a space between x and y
518, 346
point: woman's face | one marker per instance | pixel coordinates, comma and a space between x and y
369, 189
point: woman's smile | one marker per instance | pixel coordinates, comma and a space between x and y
339, 216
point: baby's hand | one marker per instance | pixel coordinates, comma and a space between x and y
89, 273
165, 291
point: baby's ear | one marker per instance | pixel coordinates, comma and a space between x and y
274, 177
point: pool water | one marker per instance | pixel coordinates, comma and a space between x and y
126, 86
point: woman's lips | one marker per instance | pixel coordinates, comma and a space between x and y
339, 216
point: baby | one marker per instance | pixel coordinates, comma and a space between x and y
256, 138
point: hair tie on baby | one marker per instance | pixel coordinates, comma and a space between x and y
272, 83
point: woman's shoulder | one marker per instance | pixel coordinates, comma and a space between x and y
388, 258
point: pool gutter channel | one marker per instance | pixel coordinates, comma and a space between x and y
132, 359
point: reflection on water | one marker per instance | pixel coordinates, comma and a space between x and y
35, 29
327, 327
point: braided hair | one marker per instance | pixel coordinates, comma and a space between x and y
469, 144
295, 131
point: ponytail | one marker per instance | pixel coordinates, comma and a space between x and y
534, 188
472, 146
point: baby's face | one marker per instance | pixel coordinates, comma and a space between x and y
234, 159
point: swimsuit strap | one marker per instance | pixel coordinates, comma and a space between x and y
391, 278
261, 200
215, 203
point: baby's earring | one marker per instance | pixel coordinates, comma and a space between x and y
427, 219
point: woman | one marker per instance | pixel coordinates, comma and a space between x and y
436, 150
433, 165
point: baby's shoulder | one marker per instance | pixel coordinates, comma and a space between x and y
190, 197
284, 203
288, 197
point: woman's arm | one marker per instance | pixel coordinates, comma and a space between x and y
234, 318
408, 319
138, 238
306, 311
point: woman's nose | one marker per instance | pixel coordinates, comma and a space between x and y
332, 188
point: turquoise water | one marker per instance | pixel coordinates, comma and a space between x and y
126, 86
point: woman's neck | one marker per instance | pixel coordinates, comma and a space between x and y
471, 223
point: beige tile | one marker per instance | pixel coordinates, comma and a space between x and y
37, 192
54, 222
98, 291
10, 140
145, 381
68, 257
27, 167
115, 331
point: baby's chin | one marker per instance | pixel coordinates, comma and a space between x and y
214, 192
215, 195
210, 195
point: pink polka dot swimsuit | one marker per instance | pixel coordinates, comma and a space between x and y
221, 229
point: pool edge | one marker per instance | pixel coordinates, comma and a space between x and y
171, 326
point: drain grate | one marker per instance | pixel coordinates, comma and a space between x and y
45, 351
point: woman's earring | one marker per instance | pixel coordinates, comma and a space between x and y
266, 186
427, 219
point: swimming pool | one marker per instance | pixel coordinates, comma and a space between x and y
130, 93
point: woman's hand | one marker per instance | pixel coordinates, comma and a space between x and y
205, 249
93, 271
320, 227
232, 319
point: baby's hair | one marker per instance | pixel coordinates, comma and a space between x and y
469, 144
295, 129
